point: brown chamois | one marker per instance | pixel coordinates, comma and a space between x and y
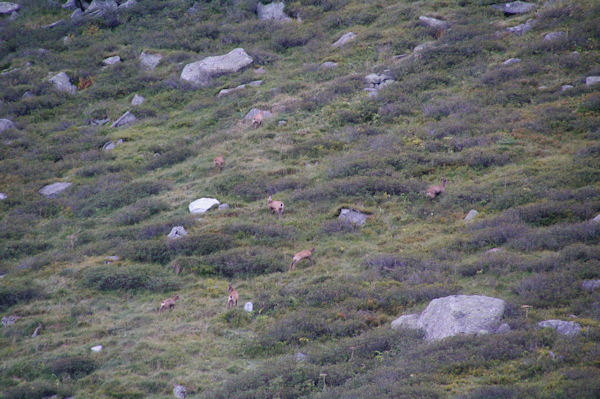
233, 297
257, 119
436, 190
306, 254
275, 206
218, 162
168, 303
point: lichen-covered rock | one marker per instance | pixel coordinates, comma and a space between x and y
149, 61
202, 205
272, 11
6, 124
62, 83
201, 72
8, 8
346, 37
515, 7
568, 328
434, 22
352, 216
52, 190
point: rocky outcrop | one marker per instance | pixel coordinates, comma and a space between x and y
62, 83
376, 82
346, 37
8, 8
201, 72
53, 190
568, 328
149, 61
202, 205
352, 216
111, 60
180, 392
515, 7
272, 11
456, 314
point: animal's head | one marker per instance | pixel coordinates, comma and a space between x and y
270, 199
230, 288
176, 297
312, 250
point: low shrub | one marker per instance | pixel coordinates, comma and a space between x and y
239, 262
169, 157
73, 367
106, 278
139, 211
35, 390
547, 290
12, 293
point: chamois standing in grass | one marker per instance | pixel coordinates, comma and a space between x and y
233, 297
436, 190
218, 162
275, 206
257, 119
168, 303
306, 254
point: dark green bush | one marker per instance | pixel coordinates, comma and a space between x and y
12, 293
546, 291
239, 262
107, 277
35, 390
139, 211
73, 367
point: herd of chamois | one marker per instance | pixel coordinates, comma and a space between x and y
278, 207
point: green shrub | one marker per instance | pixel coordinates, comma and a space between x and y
12, 293
139, 211
239, 262
73, 367
107, 277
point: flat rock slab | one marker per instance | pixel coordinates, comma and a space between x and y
8, 8
568, 328
62, 83
272, 11
515, 7
201, 72
346, 37
456, 314
434, 22
471, 215
511, 61
592, 80
150, 61
52, 190
111, 60
353, 216
6, 124
126, 119
202, 205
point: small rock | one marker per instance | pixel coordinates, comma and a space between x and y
149, 61
590, 285
352, 216
36, 331
225, 92
6, 124
202, 205
99, 122
255, 83
137, 100
223, 207
328, 65
177, 232
108, 146
471, 215
434, 22
54, 24
592, 80
596, 219
281, 123
62, 83
52, 190
552, 36
301, 357
70, 5
493, 250
511, 61
128, 4
97, 348
111, 259
503, 329
522, 28
566, 87
515, 7
260, 71
8, 8
180, 392
248, 307
126, 119
112, 60
568, 328
3, 196
9, 320
346, 37
272, 11
27, 94
14, 15
423, 46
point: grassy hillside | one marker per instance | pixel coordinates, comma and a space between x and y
512, 143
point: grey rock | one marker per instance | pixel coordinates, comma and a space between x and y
568, 328
456, 314
126, 119
372, 92
149, 61
352, 216
97, 348
99, 7
112, 60
255, 83
9, 320
37, 331
596, 219
523, 28
344, 39
8, 8
515, 7
112, 258
193, 10
511, 61
301, 357
77, 15
70, 5
328, 65
374, 79
434, 22
3, 196
6, 124
225, 92
223, 207
566, 87
471, 215
201, 72
552, 36
248, 307
14, 15
503, 329
108, 146
272, 11
62, 83
493, 250
128, 4
423, 46
137, 100
180, 392
99, 122
52, 190
254, 111
177, 232
590, 285
202, 205
281, 123
260, 71
592, 80
54, 24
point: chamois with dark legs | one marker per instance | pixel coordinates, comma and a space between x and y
436, 190
306, 254
275, 206
168, 303
232, 299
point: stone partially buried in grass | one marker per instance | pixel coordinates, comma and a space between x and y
6, 124
201, 72
568, 328
8, 8
62, 83
202, 205
515, 7
352, 216
54, 189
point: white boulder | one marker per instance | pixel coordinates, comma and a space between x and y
201, 72
202, 205
62, 83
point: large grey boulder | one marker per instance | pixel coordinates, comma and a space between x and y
592, 80
346, 37
8, 8
6, 124
434, 22
126, 119
62, 83
52, 190
456, 314
272, 11
515, 7
149, 61
568, 328
202, 205
352, 216
201, 72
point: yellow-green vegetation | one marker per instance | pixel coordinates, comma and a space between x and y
511, 142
